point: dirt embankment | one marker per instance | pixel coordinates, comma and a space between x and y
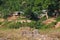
48, 21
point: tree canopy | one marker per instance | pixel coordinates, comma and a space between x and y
28, 6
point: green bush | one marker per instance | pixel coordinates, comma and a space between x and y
14, 25
32, 24
58, 19
0, 23
1, 2
11, 24
35, 24
6, 23
39, 25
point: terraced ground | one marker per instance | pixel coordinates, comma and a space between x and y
27, 33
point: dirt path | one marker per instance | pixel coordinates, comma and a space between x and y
48, 21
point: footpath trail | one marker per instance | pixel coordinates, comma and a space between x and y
48, 21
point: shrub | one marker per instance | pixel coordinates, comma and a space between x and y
0, 23
58, 19
11, 24
32, 24
35, 24
14, 25
1, 2
39, 25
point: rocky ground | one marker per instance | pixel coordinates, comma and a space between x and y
27, 34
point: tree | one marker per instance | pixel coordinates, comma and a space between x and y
0, 2
29, 5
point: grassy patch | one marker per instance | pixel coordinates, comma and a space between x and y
14, 25
58, 19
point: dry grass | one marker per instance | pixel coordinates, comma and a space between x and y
12, 34
16, 34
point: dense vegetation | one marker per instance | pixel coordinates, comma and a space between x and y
28, 24
28, 6
31, 8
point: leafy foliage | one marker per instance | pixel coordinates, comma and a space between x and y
11, 24
16, 25
27, 6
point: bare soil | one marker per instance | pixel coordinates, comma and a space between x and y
48, 21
